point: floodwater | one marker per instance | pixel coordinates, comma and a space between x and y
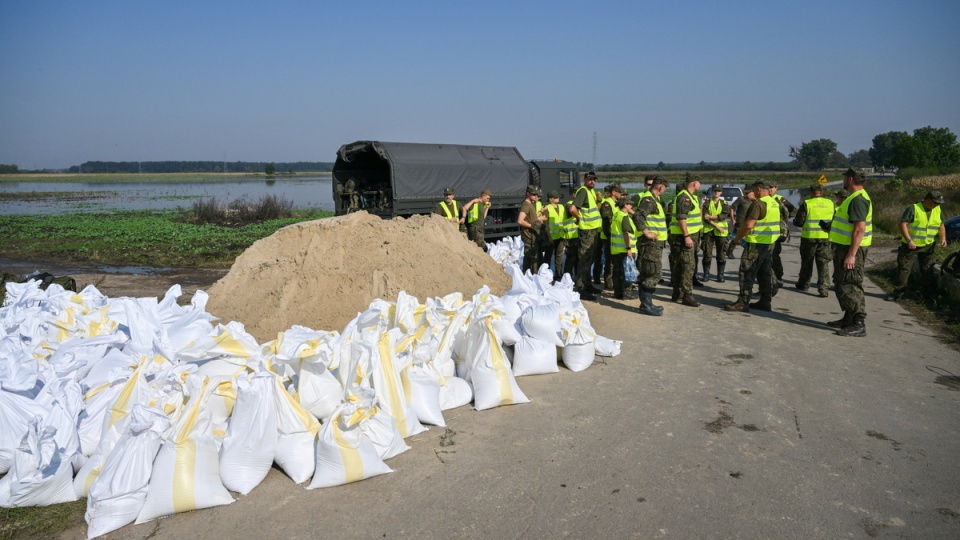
306, 192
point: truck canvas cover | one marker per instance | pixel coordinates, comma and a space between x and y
424, 170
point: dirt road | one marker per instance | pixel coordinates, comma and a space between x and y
708, 425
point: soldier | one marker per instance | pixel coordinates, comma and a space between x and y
612, 193
449, 208
530, 222
739, 211
715, 233
761, 228
786, 210
572, 236
556, 226
651, 224
920, 226
587, 215
623, 236
851, 234
475, 214
813, 218
685, 226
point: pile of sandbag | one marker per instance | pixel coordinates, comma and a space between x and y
149, 408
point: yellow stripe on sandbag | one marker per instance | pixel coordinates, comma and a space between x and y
398, 404
352, 462
94, 474
231, 345
121, 406
185, 461
499, 365
308, 420
228, 392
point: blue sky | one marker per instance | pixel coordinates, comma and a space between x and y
679, 81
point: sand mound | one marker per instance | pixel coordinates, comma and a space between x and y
320, 274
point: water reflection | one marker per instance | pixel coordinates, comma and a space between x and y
306, 192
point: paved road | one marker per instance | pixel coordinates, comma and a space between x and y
708, 425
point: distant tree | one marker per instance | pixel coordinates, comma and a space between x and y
813, 155
884, 147
859, 159
837, 159
9, 169
660, 166
269, 168
702, 166
928, 148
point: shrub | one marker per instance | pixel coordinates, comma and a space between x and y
241, 211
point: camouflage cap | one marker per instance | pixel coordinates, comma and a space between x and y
762, 184
855, 173
660, 181
553, 195
486, 192
448, 191
533, 190
816, 188
717, 187
591, 174
936, 197
623, 201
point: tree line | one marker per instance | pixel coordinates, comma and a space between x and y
932, 150
153, 167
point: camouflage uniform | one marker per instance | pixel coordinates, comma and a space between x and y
649, 252
850, 282
683, 259
755, 267
530, 237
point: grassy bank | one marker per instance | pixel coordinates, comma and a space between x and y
157, 178
142, 238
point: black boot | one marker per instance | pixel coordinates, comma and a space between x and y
841, 323
762, 305
675, 297
706, 271
857, 328
721, 267
646, 304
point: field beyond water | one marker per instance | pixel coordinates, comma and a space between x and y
165, 178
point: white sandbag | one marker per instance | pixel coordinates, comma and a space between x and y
454, 392
579, 338
534, 357
607, 347
41, 474
186, 473
488, 368
385, 373
421, 384
542, 321
297, 434
119, 492
311, 353
251, 442
344, 454
382, 432
16, 411
578, 357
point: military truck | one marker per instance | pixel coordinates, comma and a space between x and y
402, 179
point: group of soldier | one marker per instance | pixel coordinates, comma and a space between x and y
593, 234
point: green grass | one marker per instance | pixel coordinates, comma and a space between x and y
147, 238
40, 522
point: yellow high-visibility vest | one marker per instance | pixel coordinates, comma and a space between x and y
923, 230
694, 219
818, 209
841, 231
768, 230
617, 244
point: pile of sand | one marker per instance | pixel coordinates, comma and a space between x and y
320, 274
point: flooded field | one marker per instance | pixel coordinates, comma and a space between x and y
52, 197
